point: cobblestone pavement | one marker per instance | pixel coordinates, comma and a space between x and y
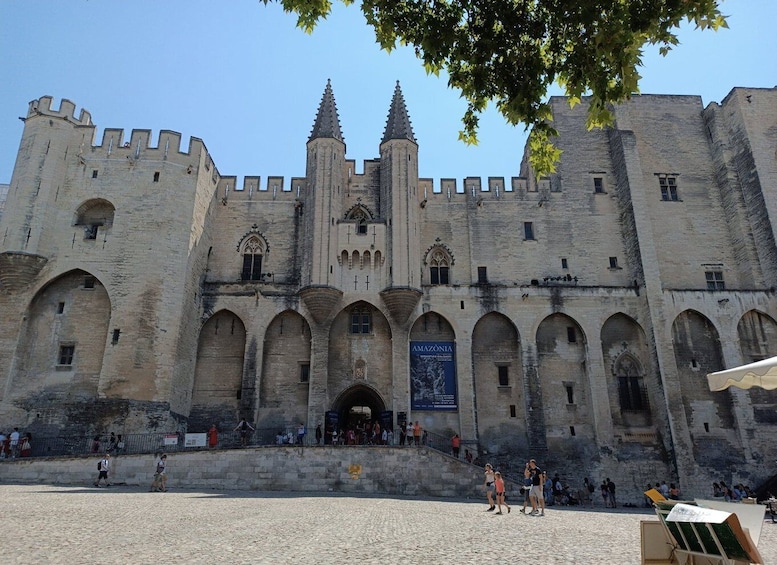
70, 525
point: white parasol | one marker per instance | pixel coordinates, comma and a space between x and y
761, 374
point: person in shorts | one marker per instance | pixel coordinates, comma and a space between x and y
160, 475
499, 486
526, 489
103, 467
488, 484
535, 494
243, 428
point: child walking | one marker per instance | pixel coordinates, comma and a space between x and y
500, 492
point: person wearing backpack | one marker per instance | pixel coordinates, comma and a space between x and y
160, 476
103, 467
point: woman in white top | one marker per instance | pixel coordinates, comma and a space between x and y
489, 486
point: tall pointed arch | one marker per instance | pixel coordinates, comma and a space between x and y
218, 373
62, 343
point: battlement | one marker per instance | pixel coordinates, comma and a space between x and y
473, 187
42, 106
252, 188
139, 144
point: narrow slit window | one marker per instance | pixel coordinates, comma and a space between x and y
528, 230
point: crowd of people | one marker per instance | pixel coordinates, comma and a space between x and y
13, 444
734, 493
540, 490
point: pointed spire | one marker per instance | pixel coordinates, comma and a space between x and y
398, 122
327, 121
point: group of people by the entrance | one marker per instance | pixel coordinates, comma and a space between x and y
13, 444
539, 490
371, 433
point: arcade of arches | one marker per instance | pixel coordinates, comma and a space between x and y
560, 389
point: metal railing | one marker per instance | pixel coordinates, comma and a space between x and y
59, 446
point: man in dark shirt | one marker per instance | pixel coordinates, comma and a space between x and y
535, 494
611, 490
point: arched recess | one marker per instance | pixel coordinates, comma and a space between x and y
758, 340
360, 351
93, 215
218, 375
498, 375
62, 344
565, 395
626, 358
285, 377
433, 377
697, 352
356, 406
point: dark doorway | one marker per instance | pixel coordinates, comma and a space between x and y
358, 408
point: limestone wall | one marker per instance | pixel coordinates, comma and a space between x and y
367, 470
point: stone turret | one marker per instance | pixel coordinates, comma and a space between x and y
399, 188
322, 206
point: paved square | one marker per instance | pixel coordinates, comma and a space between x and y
124, 525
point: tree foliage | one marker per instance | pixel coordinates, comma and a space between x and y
510, 52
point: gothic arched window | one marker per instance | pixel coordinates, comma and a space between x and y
631, 386
439, 265
361, 216
253, 251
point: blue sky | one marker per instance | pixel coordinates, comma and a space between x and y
241, 77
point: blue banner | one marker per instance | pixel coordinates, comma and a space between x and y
433, 375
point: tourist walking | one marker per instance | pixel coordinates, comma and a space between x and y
301, 433
526, 489
160, 475
456, 445
535, 494
499, 486
417, 433
103, 468
14, 442
112, 443
243, 427
488, 484
319, 435
611, 492
26, 445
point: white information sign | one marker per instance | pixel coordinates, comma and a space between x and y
194, 440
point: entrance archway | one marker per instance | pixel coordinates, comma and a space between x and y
355, 409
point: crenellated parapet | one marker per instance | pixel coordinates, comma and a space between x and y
475, 188
140, 145
42, 107
255, 188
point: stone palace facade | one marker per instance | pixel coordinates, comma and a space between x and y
570, 318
